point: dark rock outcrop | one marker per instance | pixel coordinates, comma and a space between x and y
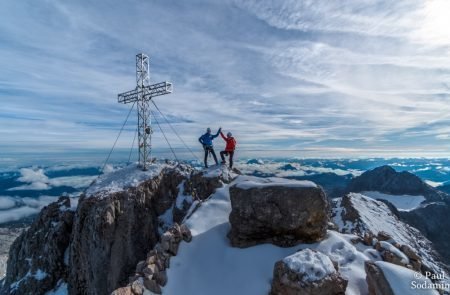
278, 214
386, 180
37, 257
433, 220
288, 281
112, 234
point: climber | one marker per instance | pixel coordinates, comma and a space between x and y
229, 148
207, 141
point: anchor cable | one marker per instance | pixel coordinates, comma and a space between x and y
170, 146
117, 138
132, 145
174, 131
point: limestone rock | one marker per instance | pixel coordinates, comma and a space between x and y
311, 276
36, 258
279, 214
111, 234
377, 282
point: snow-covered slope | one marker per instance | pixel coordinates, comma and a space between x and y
363, 215
209, 265
405, 281
401, 202
118, 180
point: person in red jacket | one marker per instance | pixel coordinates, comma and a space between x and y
229, 148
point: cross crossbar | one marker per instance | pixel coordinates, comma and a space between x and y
150, 91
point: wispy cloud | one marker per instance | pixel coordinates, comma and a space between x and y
323, 75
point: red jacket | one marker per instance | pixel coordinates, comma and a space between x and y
231, 143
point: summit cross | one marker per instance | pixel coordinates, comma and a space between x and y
142, 95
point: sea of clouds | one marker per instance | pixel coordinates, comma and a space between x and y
24, 191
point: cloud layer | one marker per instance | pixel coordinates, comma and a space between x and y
322, 78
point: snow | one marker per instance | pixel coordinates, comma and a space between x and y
375, 216
247, 182
118, 180
401, 202
219, 171
388, 246
181, 198
314, 266
38, 275
403, 280
434, 183
209, 265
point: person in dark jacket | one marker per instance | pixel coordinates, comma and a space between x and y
229, 148
207, 141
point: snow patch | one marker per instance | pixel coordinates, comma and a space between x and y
401, 202
248, 182
391, 248
314, 265
401, 279
118, 180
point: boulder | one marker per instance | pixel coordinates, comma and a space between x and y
278, 211
376, 281
307, 272
37, 257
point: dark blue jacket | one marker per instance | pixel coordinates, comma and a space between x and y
206, 139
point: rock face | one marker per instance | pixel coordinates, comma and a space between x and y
380, 228
378, 285
150, 275
307, 272
37, 257
433, 221
386, 180
284, 215
111, 235
96, 249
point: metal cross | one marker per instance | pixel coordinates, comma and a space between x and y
142, 95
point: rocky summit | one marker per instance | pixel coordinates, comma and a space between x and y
176, 230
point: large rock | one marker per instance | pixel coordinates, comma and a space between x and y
376, 281
279, 211
37, 257
307, 272
112, 233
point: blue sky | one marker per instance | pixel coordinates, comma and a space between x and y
324, 78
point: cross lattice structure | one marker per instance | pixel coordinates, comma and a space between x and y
142, 95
